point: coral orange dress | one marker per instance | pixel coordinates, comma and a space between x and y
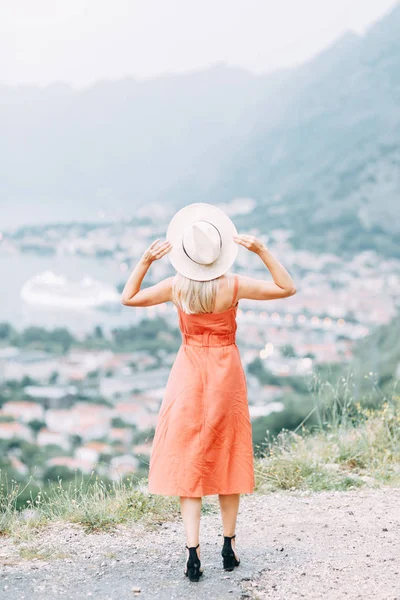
203, 438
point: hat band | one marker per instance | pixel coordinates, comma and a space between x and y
220, 246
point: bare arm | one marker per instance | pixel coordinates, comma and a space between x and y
258, 289
132, 295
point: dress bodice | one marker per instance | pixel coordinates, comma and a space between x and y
210, 329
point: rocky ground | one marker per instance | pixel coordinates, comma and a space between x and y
330, 545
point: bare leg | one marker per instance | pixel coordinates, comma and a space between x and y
229, 505
190, 511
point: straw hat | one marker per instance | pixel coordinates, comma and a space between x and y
202, 241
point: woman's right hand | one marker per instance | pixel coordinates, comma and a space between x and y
156, 251
250, 242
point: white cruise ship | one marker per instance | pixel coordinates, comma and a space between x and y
50, 290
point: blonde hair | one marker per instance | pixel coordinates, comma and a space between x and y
195, 297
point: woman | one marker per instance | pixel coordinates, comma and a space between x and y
203, 438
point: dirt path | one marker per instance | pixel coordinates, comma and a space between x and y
330, 545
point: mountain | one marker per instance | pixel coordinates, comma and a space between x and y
317, 146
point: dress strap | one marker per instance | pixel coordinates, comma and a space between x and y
235, 289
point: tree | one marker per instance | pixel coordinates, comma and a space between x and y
6, 331
53, 377
54, 473
288, 351
264, 375
36, 425
76, 440
98, 333
118, 422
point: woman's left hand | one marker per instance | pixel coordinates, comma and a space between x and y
156, 250
250, 242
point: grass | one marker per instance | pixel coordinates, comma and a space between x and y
354, 445
93, 504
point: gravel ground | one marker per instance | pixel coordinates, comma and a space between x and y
329, 545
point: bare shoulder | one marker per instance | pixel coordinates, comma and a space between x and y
242, 284
169, 281
243, 280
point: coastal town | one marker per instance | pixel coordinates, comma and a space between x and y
96, 408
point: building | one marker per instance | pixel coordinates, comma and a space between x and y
121, 466
24, 411
89, 421
71, 463
124, 435
47, 437
35, 364
14, 430
52, 396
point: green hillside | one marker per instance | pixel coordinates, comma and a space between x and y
317, 146
379, 353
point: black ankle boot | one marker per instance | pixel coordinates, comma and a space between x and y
193, 564
228, 556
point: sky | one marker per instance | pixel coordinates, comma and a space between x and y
81, 41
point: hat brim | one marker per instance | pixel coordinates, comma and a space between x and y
201, 211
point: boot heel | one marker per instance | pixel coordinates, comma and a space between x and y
193, 571
229, 560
